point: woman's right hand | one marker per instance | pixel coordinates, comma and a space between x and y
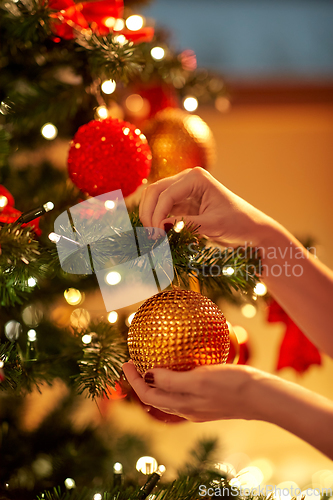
195, 196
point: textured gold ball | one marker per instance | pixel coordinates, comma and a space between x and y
178, 329
178, 140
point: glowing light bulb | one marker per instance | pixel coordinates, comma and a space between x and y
86, 339
190, 103
113, 278
49, 131
157, 53
249, 311
97, 496
48, 206
126, 131
179, 226
69, 483
146, 465
228, 271
2, 364
119, 25
102, 112
73, 296
32, 282
32, 335
162, 469
54, 237
260, 289
120, 39
3, 201
113, 317
109, 204
118, 468
109, 22
130, 318
134, 22
108, 87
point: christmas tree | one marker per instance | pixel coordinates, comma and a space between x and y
90, 86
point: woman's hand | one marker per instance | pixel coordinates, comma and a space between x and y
219, 392
196, 196
206, 393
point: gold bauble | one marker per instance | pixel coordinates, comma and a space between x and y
178, 329
178, 140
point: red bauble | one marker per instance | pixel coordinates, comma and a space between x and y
107, 155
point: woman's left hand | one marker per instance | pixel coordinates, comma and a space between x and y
205, 393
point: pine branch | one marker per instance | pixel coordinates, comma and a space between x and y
109, 59
20, 259
100, 365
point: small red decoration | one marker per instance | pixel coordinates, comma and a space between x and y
296, 350
107, 155
69, 17
9, 214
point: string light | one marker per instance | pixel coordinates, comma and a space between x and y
32, 335
113, 278
179, 226
228, 271
87, 338
260, 289
32, 282
73, 296
146, 465
108, 86
157, 53
134, 22
248, 310
119, 25
109, 204
190, 103
109, 22
102, 112
35, 213
162, 469
118, 468
97, 496
120, 39
49, 131
69, 483
113, 317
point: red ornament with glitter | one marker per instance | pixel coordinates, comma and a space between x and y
107, 155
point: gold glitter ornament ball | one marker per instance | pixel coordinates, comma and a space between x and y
178, 329
178, 140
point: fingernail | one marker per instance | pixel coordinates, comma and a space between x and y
167, 227
149, 378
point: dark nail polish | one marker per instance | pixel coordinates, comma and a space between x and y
167, 227
149, 378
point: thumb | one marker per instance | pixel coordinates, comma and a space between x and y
169, 380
